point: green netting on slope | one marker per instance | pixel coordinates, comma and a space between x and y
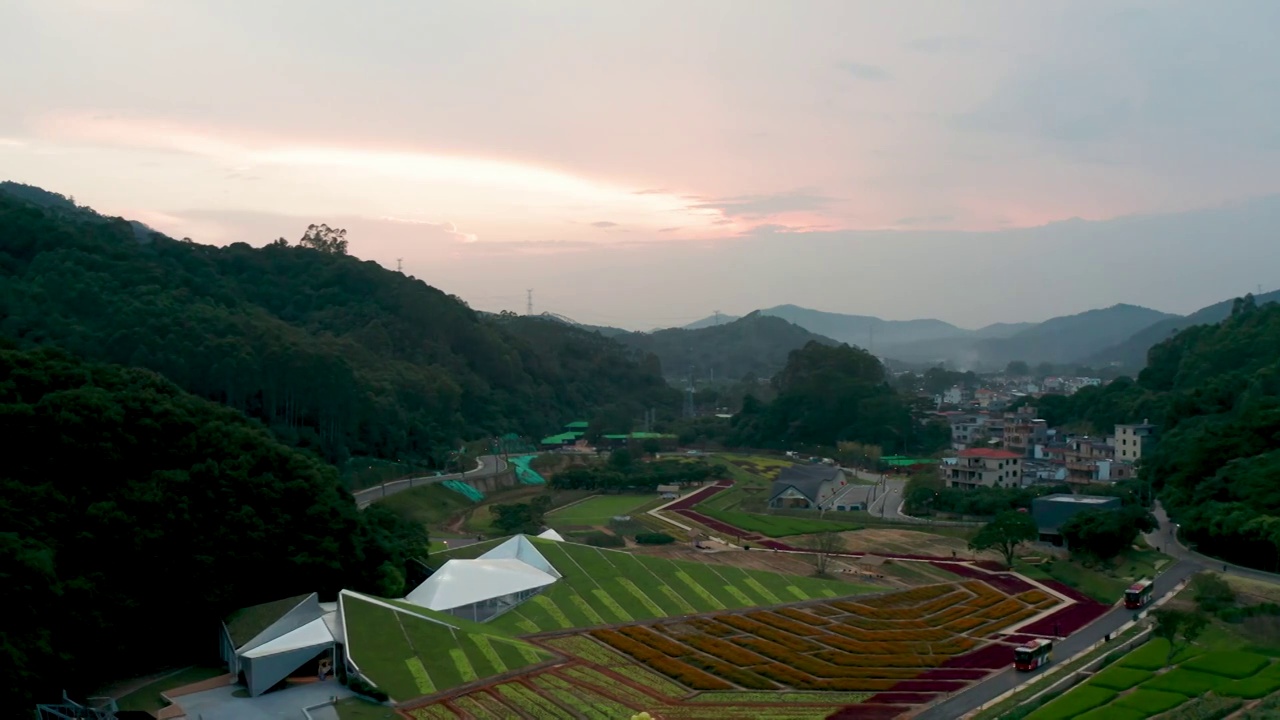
525, 473
458, 486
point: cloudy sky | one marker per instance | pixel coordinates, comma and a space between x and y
643, 163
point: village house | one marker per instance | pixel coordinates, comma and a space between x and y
982, 467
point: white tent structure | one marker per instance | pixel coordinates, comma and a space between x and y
550, 534
283, 637
489, 585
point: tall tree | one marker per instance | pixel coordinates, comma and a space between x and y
325, 239
1006, 533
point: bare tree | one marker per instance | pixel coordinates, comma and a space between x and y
824, 544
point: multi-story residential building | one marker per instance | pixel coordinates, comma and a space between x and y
967, 430
1131, 440
982, 467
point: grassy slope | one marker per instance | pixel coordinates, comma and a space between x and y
609, 586
598, 510
1104, 583
408, 656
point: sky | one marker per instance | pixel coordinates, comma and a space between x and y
645, 163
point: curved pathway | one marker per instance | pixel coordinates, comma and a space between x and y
486, 466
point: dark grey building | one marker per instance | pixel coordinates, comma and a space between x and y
1051, 512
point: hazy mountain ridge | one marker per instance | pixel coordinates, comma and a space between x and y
1131, 353
758, 344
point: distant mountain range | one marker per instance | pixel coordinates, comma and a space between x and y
1119, 335
756, 344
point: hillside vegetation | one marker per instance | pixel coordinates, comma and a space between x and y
133, 513
333, 354
757, 344
1215, 392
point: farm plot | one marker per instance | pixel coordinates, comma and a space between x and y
597, 510
601, 587
878, 656
1140, 685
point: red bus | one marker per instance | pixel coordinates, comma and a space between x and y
1138, 594
1033, 654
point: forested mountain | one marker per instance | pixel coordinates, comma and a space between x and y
1132, 353
829, 394
1215, 392
757, 344
132, 514
334, 354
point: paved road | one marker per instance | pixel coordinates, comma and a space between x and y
1166, 538
486, 466
889, 500
1008, 679
1187, 563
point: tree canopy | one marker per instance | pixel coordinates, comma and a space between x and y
134, 514
334, 354
1214, 392
1005, 533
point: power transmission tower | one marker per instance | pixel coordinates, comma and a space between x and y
717, 314
528, 307
688, 395
399, 264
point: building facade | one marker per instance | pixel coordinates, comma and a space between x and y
983, 467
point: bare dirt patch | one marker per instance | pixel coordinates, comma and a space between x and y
762, 560
885, 541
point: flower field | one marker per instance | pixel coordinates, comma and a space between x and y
600, 587
876, 656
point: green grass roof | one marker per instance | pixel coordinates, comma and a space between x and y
577, 425
561, 438
409, 652
245, 624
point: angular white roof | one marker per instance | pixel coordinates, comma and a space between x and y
463, 582
519, 548
312, 634
550, 534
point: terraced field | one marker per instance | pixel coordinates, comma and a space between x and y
878, 656
1141, 686
601, 587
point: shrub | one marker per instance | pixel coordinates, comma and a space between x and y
807, 618
654, 538
1186, 682
685, 675
1228, 663
604, 540
1074, 704
1152, 702
1251, 688
362, 687
1210, 708
726, 651
654, 640
1120, 678
1212, 594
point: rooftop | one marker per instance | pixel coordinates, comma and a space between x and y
1081, 499
990, 453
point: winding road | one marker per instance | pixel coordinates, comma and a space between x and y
486, 466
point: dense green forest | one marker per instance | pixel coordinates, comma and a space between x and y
133, 514
1214, 390
334, 354
829, 394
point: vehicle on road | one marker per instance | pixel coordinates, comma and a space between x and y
1033, 654
1139, 594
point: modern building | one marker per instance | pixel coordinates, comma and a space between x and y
1132, 440
489, 585
806, 487
265, 644
982, 467
1051, 512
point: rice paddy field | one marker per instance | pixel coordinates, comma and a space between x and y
1221, 670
